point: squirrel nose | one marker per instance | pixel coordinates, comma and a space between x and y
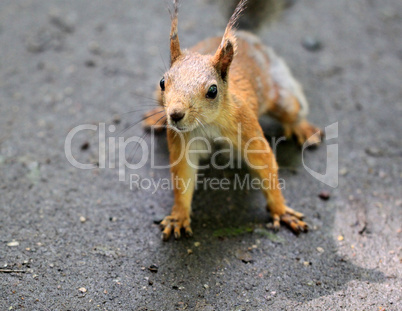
176, 116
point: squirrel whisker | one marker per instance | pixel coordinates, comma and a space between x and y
144, 136
142, 119
202, 126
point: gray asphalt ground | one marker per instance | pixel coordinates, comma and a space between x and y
66, 63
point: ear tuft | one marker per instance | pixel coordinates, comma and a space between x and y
241, 6
175, 51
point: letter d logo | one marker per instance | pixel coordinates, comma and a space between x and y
330, 177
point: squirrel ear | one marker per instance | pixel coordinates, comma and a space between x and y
226, 51
223, 57
175, 51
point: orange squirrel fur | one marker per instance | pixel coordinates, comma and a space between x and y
207, 92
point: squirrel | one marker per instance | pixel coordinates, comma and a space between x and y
219, 88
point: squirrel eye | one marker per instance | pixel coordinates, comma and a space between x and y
162, 84
212, 92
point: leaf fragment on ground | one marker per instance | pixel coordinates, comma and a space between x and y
270, 235
244, 256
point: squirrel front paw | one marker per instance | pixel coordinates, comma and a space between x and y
304, 131
174, 223
292, 219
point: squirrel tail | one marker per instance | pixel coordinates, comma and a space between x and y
257, 12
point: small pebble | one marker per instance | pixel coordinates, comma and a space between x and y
41, 123
39, 41
85, 146
324, 195
197, 244
320, 250
244, 256
306, 263
62, 21
153, 268
343, 171
68, 91
373, 151
340, 238
312, 44
90, 63
116, 119
13, 243
94, 48
17, 96
206, 286
189, 251
82, 289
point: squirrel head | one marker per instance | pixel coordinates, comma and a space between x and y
195, 87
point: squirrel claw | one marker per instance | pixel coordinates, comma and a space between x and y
276, 223
292, 219
294, 223
174, 224
189, 232
167, 230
